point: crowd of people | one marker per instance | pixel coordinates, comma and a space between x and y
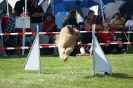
118, 23
46, 23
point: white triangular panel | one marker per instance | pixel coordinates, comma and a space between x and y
33, 58
101, 63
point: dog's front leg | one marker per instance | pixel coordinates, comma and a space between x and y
61, 52
67, 52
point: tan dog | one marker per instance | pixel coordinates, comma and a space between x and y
66, 40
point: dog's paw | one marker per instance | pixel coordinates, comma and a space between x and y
64, 58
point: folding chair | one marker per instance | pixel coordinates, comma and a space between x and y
128, 38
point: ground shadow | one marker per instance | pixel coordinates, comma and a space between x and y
47, 73
13, 57
115, 75
121, 75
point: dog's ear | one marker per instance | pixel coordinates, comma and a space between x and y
70, 29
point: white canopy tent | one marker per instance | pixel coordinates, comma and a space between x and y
111, 8
12, 2
41, 2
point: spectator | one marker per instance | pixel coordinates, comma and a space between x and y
118, 21
49, 22
93, 19
117, 24
49, 26
86, 38
15, 40
1, 46
125, 17
19, 6
36, 15
108, 38
129, 26
50, 11
71, 18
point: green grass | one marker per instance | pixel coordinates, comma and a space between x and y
77, 72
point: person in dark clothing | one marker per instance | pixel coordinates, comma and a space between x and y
36, 15
19, 6
93, 19
86, 38
71, 18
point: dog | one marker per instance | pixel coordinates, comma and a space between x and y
66, 40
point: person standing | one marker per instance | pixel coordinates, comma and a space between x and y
36, 15
19, 6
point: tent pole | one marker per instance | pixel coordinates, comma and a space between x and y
25, 7
102, 11
52, 5
23, 40
7, 8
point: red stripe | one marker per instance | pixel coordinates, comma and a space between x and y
131, 42
21, 33
49, 32
88, 31
29, 47
48, 45
5, 48
84, 45
34, 32
17, 48
45, 46
6, 34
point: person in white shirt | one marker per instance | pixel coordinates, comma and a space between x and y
129, 24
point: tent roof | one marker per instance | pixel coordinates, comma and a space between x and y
122, 5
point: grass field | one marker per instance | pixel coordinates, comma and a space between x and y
77, 72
